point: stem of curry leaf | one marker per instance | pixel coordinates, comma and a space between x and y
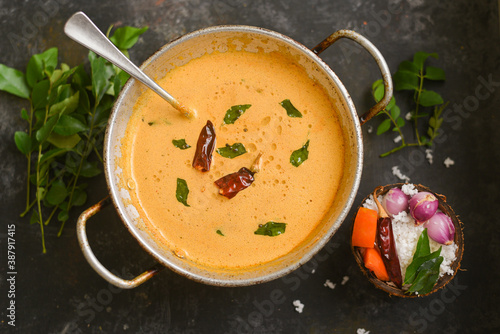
84, 155
398, 148
396, 126
417, 101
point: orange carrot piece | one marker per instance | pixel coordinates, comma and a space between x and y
373, 261
365, 228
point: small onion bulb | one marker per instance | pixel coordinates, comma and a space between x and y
423, 206
395, 201
440, 228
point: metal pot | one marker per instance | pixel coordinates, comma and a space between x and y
194, 45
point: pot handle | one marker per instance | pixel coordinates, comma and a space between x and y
94, 263
384, 69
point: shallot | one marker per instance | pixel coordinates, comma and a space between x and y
395, 201
423, 206
440, 228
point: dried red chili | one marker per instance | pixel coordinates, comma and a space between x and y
233, 183
387, 245
204, 148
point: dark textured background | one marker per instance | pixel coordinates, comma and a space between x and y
59, 292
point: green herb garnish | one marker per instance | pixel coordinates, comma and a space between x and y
235, 112
300, 155
181, 143
291, 111
423, 271
68, 114
271, 229
411, 76
219, 232
232, 151
182, 191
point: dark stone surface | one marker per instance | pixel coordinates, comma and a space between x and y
59, 292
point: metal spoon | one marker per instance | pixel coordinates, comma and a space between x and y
82, 30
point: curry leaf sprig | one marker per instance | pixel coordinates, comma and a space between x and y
66, 120
411, 76
423, 272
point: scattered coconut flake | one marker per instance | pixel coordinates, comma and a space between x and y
313, 271
428, 155
344, 280
448, 162
330, 284
408, 116
362, 331
402, 217
397, 139
125, 327
299, 307
370, 202
370, 129
409, 189
396, 172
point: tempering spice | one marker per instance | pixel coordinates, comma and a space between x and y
205, 148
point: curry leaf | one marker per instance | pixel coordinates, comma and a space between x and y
420, 57
416, 264
68, 105
423, 246
48, 156
404, 80
377, 83
23, 142
69, 125
423, 271
181, 143
125, 37
40, 94
90, 169
101, 73
44, 132
57, 193
62, 216
232, 151
427, 276
429, 98
384, 126
300, 155
271, 229
395, 112
233, 113
14, 82
182, 191
378, 93
79, 197
408, 66
38, 64
219, 232
291, 111
63, 141
400, 123
434, 73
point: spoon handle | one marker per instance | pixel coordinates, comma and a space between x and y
82, 30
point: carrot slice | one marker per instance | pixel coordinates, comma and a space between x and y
373, 261
365, 228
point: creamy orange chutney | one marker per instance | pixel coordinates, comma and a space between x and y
298, 196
